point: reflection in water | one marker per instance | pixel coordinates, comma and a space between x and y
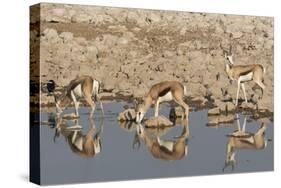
240, 139
160, 148
84, 145
161, 154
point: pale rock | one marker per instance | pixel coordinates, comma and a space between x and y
160, 121
214, 111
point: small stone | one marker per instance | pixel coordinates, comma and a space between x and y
219, 119
66, 36
80, 18
214, 111
264, 120
160, 121
50, 33
237, 34
248, 105
230, 107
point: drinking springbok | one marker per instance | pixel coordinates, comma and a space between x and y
162, 92
164, 149
243, 74
81, 87
85, 145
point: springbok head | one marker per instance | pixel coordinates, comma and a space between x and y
140, 109
61, 101
228, 55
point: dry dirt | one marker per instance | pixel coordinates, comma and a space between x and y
129, 50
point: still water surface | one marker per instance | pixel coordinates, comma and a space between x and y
90, 151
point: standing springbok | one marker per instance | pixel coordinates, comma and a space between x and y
162, 92
83, 86
164, 149
240, 139
243, 73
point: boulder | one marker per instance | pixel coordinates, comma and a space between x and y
248, 105
80, 18
224, 106
218, 119
127, 115
160, 121
50, 34
214, 111
230, 107
66, 36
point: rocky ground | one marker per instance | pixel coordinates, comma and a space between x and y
129, 50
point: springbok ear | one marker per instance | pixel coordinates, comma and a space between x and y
225, 53
138, 100
135, 102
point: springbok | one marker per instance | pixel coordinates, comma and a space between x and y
164, 149
240, 139
83, 86
162, 92
84, 145
243, 74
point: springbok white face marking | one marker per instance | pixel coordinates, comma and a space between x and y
229, 58
140, 113
140, 130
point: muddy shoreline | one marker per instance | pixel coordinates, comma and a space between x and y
195, 104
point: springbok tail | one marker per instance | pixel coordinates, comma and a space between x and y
264, 70
184, 91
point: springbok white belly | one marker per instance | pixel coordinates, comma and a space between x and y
246, 77
166, 98
78, 91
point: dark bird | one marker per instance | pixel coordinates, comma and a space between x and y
51, 85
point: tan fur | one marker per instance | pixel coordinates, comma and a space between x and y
241, 139
68, 95
161, 152
88, 140
243, 74
160, 90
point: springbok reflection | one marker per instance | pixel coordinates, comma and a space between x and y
240, 139
85, 145
160, 148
